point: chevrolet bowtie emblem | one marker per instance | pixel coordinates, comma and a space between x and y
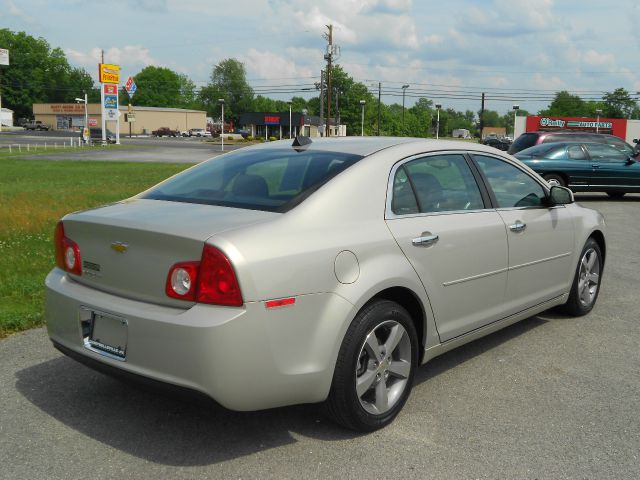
119, 247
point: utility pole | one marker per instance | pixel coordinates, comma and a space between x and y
321, 88
328, 57
481, 116
379, 99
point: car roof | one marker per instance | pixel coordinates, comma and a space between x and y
366, 146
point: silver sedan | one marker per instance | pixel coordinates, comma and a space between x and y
323, 270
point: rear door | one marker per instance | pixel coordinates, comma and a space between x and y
458, 246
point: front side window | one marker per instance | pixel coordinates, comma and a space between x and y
511, 186
272, 180
620, 145
438, 183
605, 153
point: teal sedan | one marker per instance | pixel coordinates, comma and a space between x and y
584, 167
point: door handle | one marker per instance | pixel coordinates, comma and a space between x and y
518, 226
426, 240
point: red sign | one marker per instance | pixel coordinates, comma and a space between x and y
110, 89
93, 122
271, 120
614, 126
127, 86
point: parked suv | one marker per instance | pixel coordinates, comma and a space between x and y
529, 139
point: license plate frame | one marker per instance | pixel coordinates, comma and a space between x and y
104, 333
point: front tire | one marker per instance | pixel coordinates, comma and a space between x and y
586, 282
375, 368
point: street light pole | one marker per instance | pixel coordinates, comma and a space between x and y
438, 107
362, 102
221, 102
515, 114
404, 90
598, 112
289, 120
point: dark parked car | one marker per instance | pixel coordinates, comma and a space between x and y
497, 142
529, 139
584, 167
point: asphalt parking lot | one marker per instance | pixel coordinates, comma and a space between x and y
550, 397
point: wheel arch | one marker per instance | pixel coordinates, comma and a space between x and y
598, 236
408, 299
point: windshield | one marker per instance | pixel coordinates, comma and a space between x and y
259, 179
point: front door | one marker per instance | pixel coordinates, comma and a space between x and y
612, 168
538, 268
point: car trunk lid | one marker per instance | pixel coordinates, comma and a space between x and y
128, 248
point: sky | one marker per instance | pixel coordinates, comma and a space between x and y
516, 51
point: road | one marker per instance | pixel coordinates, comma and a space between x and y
548, 398
142, 149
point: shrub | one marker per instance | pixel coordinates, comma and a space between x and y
273, 139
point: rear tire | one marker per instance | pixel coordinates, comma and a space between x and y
586, 281
375, 368
555, 180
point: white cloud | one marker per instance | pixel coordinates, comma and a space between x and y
268, 65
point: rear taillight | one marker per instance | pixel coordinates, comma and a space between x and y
67, 252
211, 280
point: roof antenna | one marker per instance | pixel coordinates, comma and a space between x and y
301, 142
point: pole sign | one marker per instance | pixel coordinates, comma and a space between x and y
109, 73
109, 76
130, 87
4, 56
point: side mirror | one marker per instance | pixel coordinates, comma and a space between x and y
635, 140
560, 196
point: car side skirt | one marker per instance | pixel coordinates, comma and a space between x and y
436, 350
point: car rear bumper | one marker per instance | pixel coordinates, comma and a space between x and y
245, 358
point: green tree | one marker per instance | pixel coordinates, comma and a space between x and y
228, 81
566, 105
619, 104
38, 74
162, 87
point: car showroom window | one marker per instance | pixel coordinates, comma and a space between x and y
511, 186
440, 183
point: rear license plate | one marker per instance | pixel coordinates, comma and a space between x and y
104, 334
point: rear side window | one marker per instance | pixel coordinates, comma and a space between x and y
272, 180
437, 183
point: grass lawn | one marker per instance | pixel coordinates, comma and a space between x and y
34, 195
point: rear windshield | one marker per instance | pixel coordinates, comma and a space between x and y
525, 140
258, 179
